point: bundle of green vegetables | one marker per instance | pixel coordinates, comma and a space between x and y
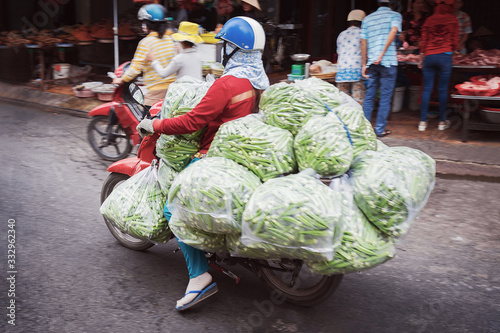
359, 128
182, 96
392, 185
136, 206
265, 150
323, 145
290, 106
294, 216
166, 175
211, 195
197, 238
363, 245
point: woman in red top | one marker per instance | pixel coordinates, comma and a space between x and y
233, 95
439, 40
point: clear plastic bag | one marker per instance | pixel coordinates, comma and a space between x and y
363, 245
211, 195
294, 216
136, 206
265, 150
323, 145
182, 96
391, 186
197, 238
166, 176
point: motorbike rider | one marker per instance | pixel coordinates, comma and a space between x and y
233, 95
153, 17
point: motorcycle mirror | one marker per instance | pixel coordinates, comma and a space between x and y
136, 93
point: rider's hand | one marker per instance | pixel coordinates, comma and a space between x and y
145, 127
118, 81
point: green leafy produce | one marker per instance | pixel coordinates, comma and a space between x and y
136, 206
265, 150
323, 145
392, 185
197, 238
182, 96
211, 195
294, 216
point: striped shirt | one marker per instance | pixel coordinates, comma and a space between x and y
163, 50
375, 29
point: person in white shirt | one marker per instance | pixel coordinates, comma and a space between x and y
186, 63
349, 65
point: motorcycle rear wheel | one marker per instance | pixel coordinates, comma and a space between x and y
119, 145
310, 288
123, 238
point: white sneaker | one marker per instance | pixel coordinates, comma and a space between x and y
444, 126
422, 126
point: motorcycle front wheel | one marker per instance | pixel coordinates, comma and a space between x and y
111, 146
133, 243
296, 283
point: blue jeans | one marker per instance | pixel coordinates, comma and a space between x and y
196, 261
386, 78
440, 65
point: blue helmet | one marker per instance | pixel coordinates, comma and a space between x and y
244, 32
152, 12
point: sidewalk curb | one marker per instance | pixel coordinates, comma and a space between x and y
26, 95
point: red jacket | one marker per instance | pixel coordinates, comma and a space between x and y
440, 33
227, 99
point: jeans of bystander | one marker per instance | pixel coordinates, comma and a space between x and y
385, 77
440, 65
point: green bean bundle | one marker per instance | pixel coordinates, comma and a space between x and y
197, 238
182, 96
211, 195
136, 206
323, 145
166, 176
360, 129
295, 216
265, 150
363, 246
391, 186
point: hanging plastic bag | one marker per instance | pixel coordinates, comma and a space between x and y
136, 206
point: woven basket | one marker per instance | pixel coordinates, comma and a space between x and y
325, 76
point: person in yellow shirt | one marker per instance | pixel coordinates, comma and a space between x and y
153, 17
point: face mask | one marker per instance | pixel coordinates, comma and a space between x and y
145, 28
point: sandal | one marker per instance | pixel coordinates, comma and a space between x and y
203, 294
384, 133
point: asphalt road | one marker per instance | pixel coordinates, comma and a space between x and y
72, 276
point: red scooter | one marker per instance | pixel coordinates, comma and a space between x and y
112, 131
287, 279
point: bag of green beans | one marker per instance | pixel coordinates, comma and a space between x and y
294, 216
391, 186
182, 96
323, 145
211, 195
136, 206
166, 176
363, 245
197, 238
265, 150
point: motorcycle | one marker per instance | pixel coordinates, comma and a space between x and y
288, 279
112, 131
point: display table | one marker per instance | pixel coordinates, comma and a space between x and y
471, 104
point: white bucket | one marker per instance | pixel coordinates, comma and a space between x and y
61, 71
397, 99
414, 105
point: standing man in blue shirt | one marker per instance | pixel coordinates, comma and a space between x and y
378, 52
